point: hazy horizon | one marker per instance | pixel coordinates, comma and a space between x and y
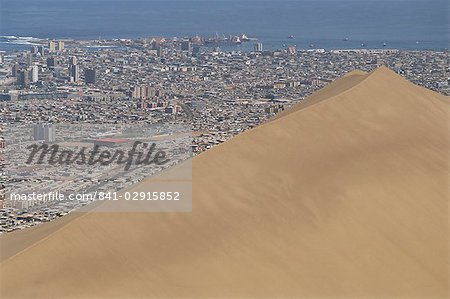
417, 25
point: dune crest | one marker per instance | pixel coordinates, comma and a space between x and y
345, 195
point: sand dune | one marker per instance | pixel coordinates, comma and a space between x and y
338, 86
346, 196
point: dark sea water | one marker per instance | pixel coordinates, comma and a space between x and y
403, 24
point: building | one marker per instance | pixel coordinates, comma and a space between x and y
45, 132
136, 92
23, 78
186, 46
149, 92
14, 69
74, 69
196, 50
90, 76
41, 50
51, 62
72, 60
74, 73
159, 51
144, 92
34, 74
258, 47
29, 58
61, 46
292, 50
52, 46
154, 45
169, 110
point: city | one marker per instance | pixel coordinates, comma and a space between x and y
122, 84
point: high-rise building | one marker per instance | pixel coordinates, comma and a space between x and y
51, 62
72, 60
90, 76
14, 69
144, 92
60, 46
34, 50
41, 50
29, 58
74, 73
147, 92
34, 73
258, 47
186, 46
150, 92
196, 50
154, 45
159, 51
52, 46
45, 132
23, 78
136, 92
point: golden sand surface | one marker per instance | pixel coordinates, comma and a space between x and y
345, 195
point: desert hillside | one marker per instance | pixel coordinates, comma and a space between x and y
345, 195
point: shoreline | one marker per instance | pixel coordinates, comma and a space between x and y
11, 43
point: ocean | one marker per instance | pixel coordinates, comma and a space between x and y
401, 24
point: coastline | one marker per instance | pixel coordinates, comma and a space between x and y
11, 43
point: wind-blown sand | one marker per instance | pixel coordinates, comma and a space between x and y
345, 195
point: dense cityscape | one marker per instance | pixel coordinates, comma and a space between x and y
212, 94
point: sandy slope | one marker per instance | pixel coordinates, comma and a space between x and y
344, 197
338, 86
